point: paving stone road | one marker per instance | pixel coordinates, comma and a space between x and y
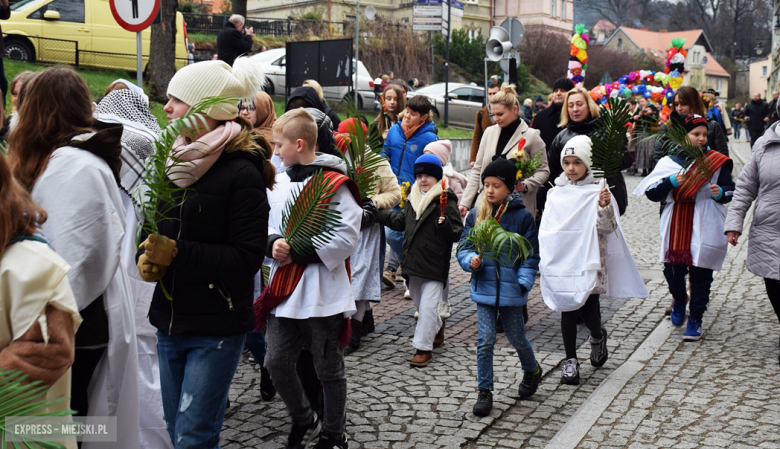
721, 392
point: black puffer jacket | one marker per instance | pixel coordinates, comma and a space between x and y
617, 183
715, 139
221, 231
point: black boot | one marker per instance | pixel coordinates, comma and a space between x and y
484, 403
267, 389
354, 338
368, 322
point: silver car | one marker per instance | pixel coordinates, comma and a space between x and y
465, 102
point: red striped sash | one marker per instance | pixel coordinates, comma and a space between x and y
681, 227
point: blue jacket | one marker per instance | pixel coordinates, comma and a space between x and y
511, 287
402, 153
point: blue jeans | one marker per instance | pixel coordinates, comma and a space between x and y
395, 240
514, 326
701, 281
737, 128
195, 376
255, 342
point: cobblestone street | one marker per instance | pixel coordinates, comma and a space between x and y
654, 391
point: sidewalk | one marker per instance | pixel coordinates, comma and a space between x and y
654, 391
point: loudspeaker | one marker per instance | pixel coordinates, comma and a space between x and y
497, 44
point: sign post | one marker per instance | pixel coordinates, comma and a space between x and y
135, 16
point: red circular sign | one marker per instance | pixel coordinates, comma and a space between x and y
134, 15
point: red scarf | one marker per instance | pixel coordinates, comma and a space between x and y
681, 228
286, 278
409, 132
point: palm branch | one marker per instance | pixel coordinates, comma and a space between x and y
676, 142
609, 138
157, 196
363, 156
307, 221
492, 242
27, 400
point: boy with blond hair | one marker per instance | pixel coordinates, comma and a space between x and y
309, 301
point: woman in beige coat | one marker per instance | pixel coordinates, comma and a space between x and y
499, 140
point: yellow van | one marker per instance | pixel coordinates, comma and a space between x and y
78, 32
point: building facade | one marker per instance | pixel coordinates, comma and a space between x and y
759, 77
553, 15
702, 71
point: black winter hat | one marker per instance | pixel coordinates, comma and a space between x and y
503, 169
563, 83
691, 121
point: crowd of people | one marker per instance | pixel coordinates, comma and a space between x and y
147, 321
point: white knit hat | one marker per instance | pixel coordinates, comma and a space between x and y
195, 82
580, 146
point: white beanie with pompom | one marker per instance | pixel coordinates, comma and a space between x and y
195, 82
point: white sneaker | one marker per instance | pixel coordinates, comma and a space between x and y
407, 295
416, 315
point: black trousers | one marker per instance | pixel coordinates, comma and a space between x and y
591, 315
773, 291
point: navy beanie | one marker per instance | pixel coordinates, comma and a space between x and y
503, 169
428, 164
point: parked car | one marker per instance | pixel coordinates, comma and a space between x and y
81, 32
465, 102
274, 64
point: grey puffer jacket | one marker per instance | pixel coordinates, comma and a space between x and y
760, 182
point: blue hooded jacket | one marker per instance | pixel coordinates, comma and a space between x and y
513, 284
402, 153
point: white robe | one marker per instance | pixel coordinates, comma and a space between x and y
708, 242
569, 251
324, 289
154, 433
86, 226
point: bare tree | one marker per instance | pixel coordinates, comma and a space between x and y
620, 12
546, 53
162, 51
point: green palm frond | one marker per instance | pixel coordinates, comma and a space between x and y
492, 242
363, 156
609, 138
19, 399
307, 221
677, 143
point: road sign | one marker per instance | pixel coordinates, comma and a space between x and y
427, 20
134, 15
457, 12
434, 10
427, 27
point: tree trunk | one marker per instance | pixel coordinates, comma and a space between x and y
239, 7
162, 51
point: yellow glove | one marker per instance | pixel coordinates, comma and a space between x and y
160, 250
149, 271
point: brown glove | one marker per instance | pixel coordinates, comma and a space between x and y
149, 271
160, 250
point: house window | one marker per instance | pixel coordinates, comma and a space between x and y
473, 33
552, 8
718, 88
474, 2
563, 9
763, 71
620, 42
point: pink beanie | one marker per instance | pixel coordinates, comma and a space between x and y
441, 149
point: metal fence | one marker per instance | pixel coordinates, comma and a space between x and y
213, 23
57, 51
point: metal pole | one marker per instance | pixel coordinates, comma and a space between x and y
447, 67
140, 60
433, 69
357, 42
484, 98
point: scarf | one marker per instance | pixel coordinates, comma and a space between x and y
420, 201
266, 115
681, 227
409, 132
196, 158
140, 130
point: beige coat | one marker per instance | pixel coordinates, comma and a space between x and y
487, 149
388, 193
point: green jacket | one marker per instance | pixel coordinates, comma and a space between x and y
427, 245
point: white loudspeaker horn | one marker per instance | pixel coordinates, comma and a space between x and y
497, 44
